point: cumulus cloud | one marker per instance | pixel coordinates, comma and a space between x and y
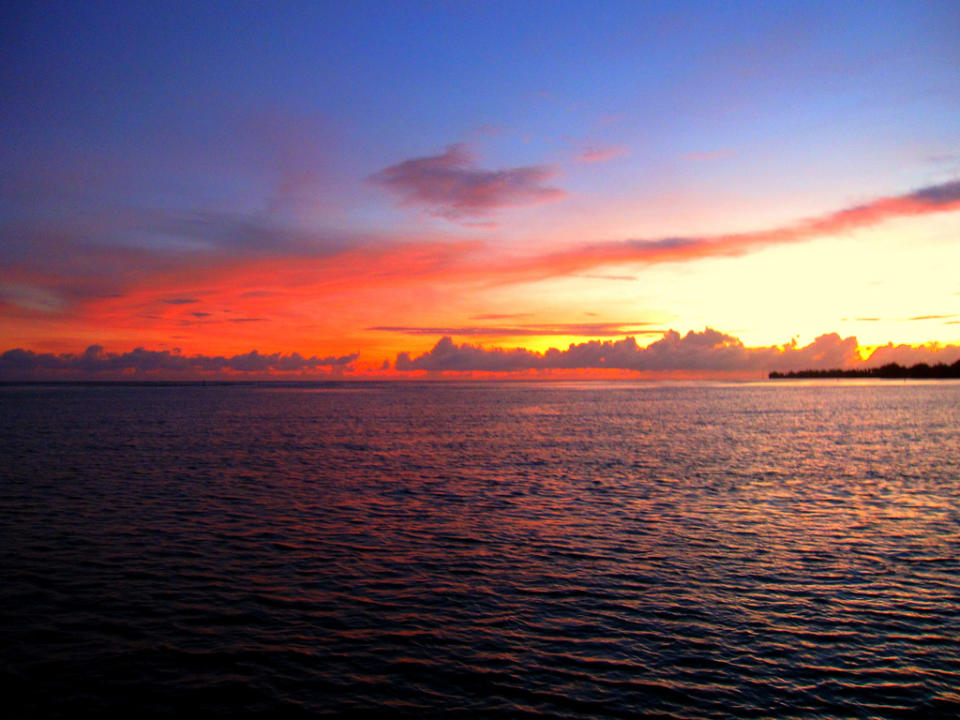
95, 362
445, 355
451, 186
907, 355
706, 351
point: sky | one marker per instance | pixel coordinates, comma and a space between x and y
477, 189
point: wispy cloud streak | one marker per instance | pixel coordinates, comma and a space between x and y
112, 265
925, 201
600, 154
582, 329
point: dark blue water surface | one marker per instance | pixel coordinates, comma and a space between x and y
481, 550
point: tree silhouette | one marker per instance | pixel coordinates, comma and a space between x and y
888, 371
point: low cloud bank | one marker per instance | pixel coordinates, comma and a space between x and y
707, 351
94, 362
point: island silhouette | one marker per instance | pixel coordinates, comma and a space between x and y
890, 371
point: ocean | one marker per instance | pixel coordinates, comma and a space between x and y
481, 550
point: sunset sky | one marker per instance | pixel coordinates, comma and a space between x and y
400, 189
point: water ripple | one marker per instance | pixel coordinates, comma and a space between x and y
515, 550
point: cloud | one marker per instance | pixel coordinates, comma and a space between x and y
706, 351
907, 355
95, 362
932, 317
445, 355
453, 188
107, 271
627, 278
584, 329
596, 154
928, 200
907, 319
99, 254
27, 297
180, 301
102, 284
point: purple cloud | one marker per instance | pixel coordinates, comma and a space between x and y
445, 355
453, 188
595, 154
707, 351
94, 362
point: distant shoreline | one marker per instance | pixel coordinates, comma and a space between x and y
891, 371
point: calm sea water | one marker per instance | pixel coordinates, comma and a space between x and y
487, 550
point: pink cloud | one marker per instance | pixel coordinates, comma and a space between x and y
453, 188
595, 154
925, 201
